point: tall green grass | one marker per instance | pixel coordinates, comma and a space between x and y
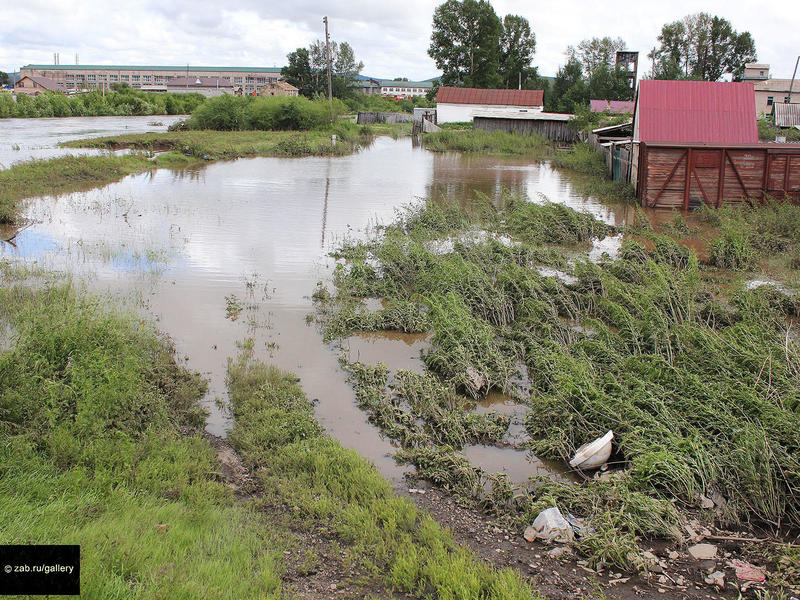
94, 451
498, 142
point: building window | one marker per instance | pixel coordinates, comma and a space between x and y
762, 73
113, 78
786, 99
237, 80
70, 77
159, 78
90, 77
770, 100
134, 78
147, 78
123, 78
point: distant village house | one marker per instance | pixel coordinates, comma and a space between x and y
33, 85
769, 92
278, 88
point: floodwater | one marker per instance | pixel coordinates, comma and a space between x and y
22, 140
234, 250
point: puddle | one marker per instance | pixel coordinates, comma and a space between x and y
395, 349
177, 245
519, 465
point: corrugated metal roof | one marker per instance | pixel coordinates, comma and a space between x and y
192, 68
528, 115
786, 115
614, 106
696, 112
459, 95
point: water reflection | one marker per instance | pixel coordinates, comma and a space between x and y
22, 140
177, 244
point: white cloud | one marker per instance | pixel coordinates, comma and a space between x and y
391, 38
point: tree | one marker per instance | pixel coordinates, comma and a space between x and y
569, 90
609, 83
345, 69
308, 69
298, 72
4, 78
517, 45
701, 47
465, 43
596, 52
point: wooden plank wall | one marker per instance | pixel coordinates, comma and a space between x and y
684, 177
558, 131
366, 117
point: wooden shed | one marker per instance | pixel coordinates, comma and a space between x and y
680, 175
553, 126
698, 143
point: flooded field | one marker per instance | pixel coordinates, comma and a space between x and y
31, 139
235, 249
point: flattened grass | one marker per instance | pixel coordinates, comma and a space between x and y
701, 390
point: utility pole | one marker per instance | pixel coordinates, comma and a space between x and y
330, 67
791, 85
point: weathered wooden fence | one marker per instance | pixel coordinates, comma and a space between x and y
370, 117
556, 130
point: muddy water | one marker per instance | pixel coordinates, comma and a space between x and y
22, 140
235, 249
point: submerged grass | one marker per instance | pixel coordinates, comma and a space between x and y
700, 389
407, 550
62, 175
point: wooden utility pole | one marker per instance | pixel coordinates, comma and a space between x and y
328, 55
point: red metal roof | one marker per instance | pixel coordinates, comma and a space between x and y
696, 112
461, 95
614, 106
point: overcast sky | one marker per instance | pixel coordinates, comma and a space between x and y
391, 37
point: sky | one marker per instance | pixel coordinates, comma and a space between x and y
391, 37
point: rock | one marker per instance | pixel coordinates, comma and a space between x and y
662, 579
717, 578
747, 572
674, 555
706, 502
703, 551
560, 551
550, 526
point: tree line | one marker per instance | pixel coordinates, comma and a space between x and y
473, 47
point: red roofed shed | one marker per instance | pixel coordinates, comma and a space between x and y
461, 104
695, 112
698, 144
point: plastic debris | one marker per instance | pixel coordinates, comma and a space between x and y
594, 454
747, 572
550, 526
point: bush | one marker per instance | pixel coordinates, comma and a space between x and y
232, 113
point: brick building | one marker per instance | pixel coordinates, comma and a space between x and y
78, 77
